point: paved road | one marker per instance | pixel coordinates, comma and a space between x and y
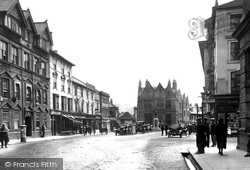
140, 151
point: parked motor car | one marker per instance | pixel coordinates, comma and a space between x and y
123, 130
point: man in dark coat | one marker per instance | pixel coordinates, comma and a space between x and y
212, 132
221, 136
162, 129
206, 123
200, 137
166, 128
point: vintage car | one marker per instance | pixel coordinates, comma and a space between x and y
123, 130
175, 130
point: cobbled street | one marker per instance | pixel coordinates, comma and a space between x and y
105, 152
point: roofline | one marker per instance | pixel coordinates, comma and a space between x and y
53, 52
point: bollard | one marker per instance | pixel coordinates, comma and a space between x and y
23, 133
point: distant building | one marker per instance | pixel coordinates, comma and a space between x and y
164, 104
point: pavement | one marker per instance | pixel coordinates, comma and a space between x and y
232, 158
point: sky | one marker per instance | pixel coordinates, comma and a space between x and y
116, 43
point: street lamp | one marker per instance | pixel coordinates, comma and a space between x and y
197, 108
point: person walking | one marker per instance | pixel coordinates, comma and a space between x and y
206, 123
221, 136
43, 130
166, 128
4, 135
200, 137
212, 132
162, 129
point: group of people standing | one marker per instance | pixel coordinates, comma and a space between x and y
164, 126
217, 131
4, 137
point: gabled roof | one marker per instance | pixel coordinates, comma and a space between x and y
8, 5
126, 116
27, 16
55, 54
230, 4
41, 27
5, 5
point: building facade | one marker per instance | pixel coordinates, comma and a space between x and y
61, 94
24, 72
161, 104
104, 108
221, 64
242, 34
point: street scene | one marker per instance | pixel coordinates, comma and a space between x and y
135, 84
139, 151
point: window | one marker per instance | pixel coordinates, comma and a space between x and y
54, 66
17, 91
76, 105
28, 93
147, 104
6, 88
76, 90
38, 96
43, 67
81, 92
6, 118
69, 74
12, 24
16, 120
54, 83
168, 104
87, 94
235, 81
36, 65
4, 51
14, 56
234, 20
56, 101
45, 98
82, 105
63, 86
37, 121
64, 103
62, 69
159, 103
70, 104
87, 107
234, 51
26, 61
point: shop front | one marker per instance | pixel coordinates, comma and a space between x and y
227, 108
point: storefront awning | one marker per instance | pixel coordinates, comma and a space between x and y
70, 117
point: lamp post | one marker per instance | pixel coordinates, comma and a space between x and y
197, 108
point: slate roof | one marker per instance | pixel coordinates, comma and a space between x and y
5, 5
126, 116
230, 4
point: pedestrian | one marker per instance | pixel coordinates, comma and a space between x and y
4, 135
212, 132
84, 130
43, 130
248, 147
166, 128
200, 137
206, 123
221, 136
162, 129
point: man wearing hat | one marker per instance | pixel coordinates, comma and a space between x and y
206, 123
212, 131
201, 141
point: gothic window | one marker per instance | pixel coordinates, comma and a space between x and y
147, 104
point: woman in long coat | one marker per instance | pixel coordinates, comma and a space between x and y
4, 135
201, 141
221, 136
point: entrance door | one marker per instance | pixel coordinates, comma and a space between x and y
28, 123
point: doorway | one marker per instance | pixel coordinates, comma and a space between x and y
28, 123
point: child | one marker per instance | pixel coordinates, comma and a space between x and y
248, 147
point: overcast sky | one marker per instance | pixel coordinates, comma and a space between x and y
116, 43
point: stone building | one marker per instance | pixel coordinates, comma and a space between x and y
25, 46
242, 34
161, 104
61, 94
221, 63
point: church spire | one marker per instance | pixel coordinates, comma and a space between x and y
216, 3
